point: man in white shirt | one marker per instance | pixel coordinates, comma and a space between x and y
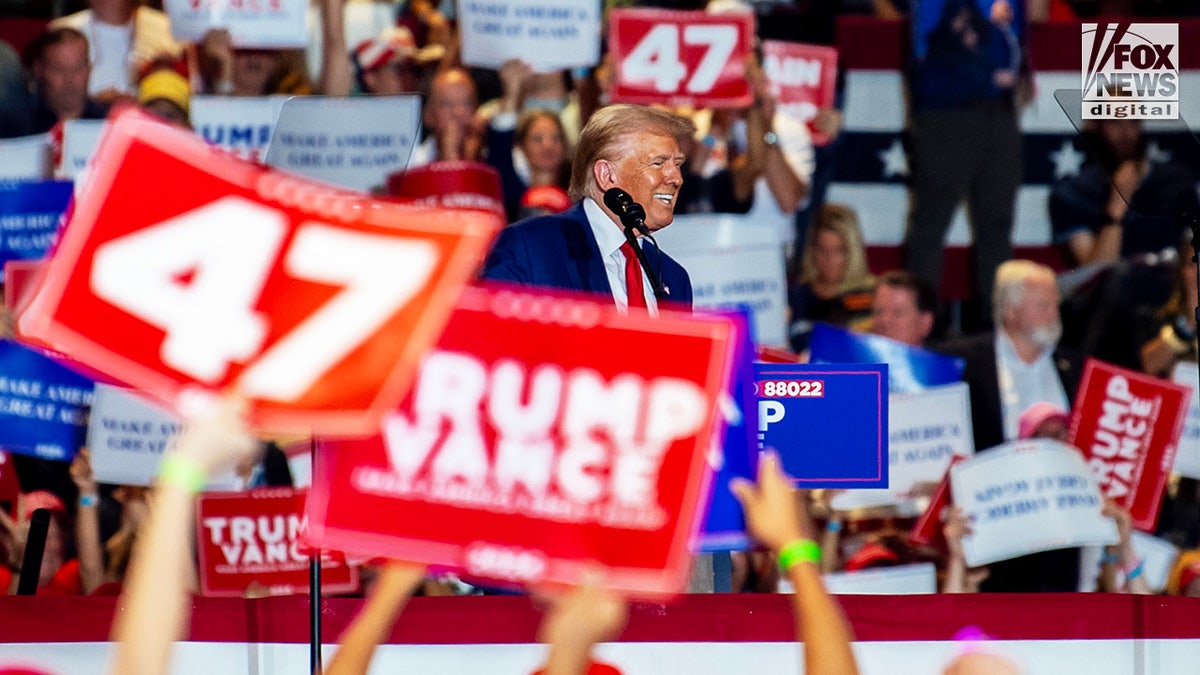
1019, 364
123, 38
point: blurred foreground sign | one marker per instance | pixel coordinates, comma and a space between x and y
1128, 426
313, 303
532, 447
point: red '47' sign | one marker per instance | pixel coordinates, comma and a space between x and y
542, 435
185, 271
681, 58
1128, 426
251, 541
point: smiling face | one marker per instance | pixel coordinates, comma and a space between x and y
647, 166
543, 144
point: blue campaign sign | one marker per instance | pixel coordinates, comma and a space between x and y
910, 369
725, 526
30, 212
829, 423
43, 404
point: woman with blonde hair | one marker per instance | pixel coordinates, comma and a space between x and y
834, 284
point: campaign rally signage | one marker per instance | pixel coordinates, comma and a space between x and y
350, 142
1028, 496
79, 141
547, 34
915, 579
926, 430
1128, 425
241, 124
736, 456
734, 262
532, 447
127, 436
25, 158
43, 404
802, 78
1187, 458
251, 23
450, 184
910, 369
927, 531
681, 58
313, 303
829, 423
29, 217
250, 543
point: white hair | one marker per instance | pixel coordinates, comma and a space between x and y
1011, 278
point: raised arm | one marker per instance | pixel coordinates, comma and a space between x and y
89, 550
152, 611
577, 621
337, 73
775, 517
395, 586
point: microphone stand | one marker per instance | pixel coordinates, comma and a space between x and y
655, 284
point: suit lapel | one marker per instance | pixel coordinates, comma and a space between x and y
584, 264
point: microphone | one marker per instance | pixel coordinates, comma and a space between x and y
631, 213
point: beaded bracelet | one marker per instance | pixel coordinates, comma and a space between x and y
799, 551
182, 472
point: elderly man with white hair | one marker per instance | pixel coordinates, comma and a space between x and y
1008, 371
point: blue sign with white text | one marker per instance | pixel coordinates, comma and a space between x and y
829, 423
910, 369
725, 526
43, 404
30, 214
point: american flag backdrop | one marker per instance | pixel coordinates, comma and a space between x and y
872, 165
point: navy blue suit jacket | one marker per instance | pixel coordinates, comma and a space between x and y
560, 251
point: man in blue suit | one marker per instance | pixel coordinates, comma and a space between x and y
630, 147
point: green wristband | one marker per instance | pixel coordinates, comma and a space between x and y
182, 472
799, 551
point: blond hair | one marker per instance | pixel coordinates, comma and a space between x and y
841, 220
611, 128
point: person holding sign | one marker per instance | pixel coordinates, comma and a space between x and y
775, 517
153, 606
125, 37
635, 149
455, 132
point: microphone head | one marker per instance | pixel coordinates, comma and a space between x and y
630, 213
617, 200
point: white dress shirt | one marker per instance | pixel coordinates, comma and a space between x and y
610, 237
1023, 384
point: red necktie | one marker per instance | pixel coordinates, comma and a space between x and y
633, 278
